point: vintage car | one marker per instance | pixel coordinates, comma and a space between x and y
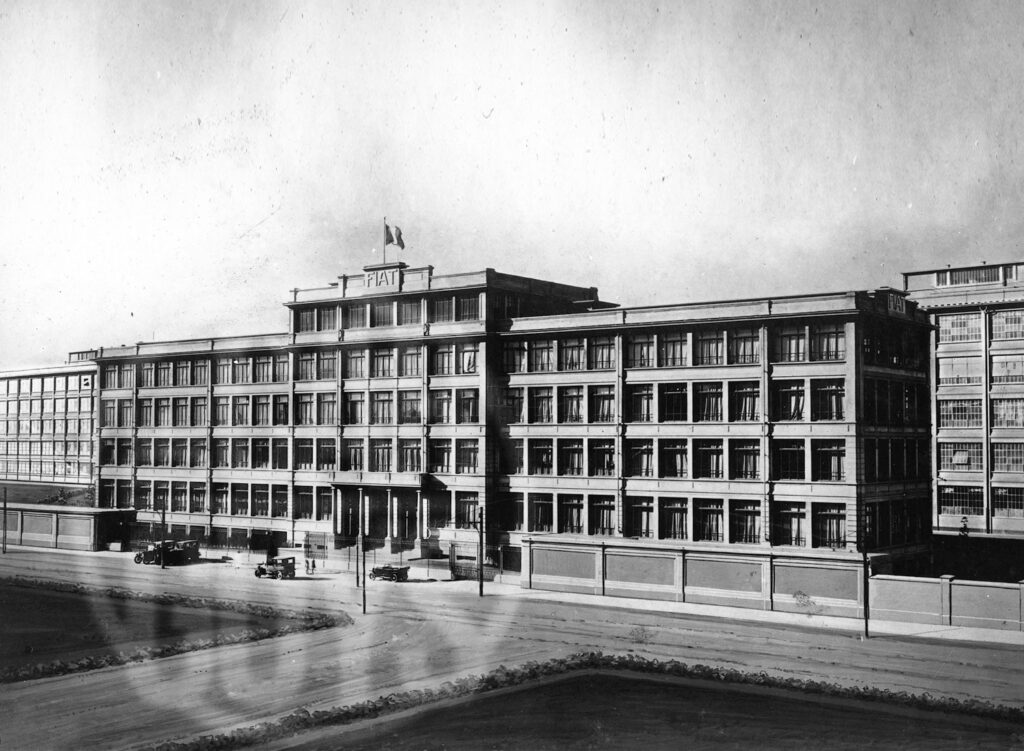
155, 552
173, 552
391, 573
277, 568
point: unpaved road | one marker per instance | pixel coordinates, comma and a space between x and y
418, 635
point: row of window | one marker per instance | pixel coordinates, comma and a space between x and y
675, 348
385, 408
959, 371
698, 519
55, 427
321, 454
51, 406
38, 385
236, 499
966, 327
697, 458
961, 500
22, 467
46, 448
670, 402
967, 413
975, 275
379, 313
1006, 457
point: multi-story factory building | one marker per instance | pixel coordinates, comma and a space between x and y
978, 404
742, 431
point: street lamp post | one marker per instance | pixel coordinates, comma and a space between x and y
163, 534
480, 549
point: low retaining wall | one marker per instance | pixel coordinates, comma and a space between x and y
947, 601
67, 527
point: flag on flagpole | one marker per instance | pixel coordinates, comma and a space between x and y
394, 239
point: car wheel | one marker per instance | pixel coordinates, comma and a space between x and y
138, 557
259, 574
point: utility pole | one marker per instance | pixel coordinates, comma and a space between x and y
5, 522
362, 549
867, 579
163, 534
480, 553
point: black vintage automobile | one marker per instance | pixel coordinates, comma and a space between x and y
277, 568
390, 573
169, 552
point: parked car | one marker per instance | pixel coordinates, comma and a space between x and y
277, 568
391, 573
184, 551
174, 552
155, 552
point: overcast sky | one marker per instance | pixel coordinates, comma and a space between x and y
171, 170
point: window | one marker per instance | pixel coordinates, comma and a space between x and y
279, 501
744, 346
745, 401
441, 359
409, 455
541, 457
788, 524
976, 275
239, 410
306, 366
602, 515
164, 374
513, 460
955, 371
179, 452
640, 351
326, 454
382, 313
354, 316
1008, 457
512, 406
468, 405
466, 455
441, 310
790, 344
966, 413
673, 459
958, 500
260, 500
1008, 502
261, 453
961, 327
354, 408
108, 447
465, 355
707, 402
570, 457
960, 456
124, 451
467, 509
305, 409
707, 456
197, 498
467, 307
1008, 324
673, 519
514, 357
409, 407
380, 407
179, 496
541, 355
263, 369
221, 452
788, 460
281, 368
261, 410
540, 405
640, 400
305, 320
200, 370
601, 353
219, 493
570, 514
239, 452
281, 412
326, 409
709, 348
827, 400
639, 517
108, 413
602, 458
570, 354
672, 402
602, 404
439, 455
440, 406
1005, 369
828, 342
829, 458
640, 458
163, 412
828, 525
789, 400
162, 452
707, 520
409, 312
303, 503
327, 366
541, 512
355, 363
744, 521
671, 349
240, 370
352, 454
304, 453
383, 363
409, 361
745, 459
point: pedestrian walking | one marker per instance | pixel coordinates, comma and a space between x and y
313, 567
307, 565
